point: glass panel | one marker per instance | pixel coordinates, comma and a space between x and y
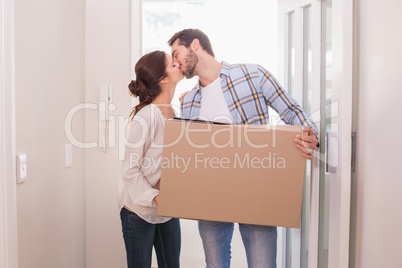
160, 21
291, 54
327, 125
291, 90
307, 61
289, 239
307, 104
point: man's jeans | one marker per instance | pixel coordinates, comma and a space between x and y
259, 242
140, 236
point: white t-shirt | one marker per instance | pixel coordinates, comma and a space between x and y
213, 104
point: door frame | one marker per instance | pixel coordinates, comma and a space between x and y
8, 197
343, 80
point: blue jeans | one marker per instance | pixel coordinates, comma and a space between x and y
259, 242
140, 236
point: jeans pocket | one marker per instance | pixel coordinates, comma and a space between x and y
133, 216
131, 221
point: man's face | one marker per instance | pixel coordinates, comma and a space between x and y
185, 58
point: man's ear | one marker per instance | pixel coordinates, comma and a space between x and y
195, 45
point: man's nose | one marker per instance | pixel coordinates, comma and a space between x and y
175, 62
176, 65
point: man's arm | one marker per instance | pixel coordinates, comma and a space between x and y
290, 112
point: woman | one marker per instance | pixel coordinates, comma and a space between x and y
156, 80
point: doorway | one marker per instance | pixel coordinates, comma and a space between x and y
317, 63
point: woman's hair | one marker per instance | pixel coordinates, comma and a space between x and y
149, 71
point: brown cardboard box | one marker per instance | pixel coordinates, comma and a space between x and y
235, 173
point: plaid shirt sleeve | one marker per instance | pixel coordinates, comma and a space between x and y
191, 104
279, 100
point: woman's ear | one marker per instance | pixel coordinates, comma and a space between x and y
164, 80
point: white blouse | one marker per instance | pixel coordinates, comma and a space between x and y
142, 164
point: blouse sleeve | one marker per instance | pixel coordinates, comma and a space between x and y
141, 135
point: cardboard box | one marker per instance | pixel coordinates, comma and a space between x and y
234, 173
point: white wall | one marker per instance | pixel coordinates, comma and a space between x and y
49, 69
107, 56
376, 217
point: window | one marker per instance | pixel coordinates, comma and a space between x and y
236, 36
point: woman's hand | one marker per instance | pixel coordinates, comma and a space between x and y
182, 95
156, 199
158, 185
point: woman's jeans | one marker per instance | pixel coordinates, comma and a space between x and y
259, 243
140, 236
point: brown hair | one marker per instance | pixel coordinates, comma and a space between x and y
149, 71
187, 36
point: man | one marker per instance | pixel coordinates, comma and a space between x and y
237, 94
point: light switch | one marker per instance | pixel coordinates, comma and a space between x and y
68, 155
21, 168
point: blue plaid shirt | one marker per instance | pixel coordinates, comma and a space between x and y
248, 90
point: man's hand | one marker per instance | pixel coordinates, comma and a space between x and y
306, 143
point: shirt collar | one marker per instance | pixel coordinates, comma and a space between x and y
225, 68
225, 71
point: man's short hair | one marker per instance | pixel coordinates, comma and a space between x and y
187, 36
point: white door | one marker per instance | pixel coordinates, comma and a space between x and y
317, 63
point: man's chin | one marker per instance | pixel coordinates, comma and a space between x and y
188, 76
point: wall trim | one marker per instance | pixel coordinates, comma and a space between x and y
8, 197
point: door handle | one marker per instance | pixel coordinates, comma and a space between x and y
332, 152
